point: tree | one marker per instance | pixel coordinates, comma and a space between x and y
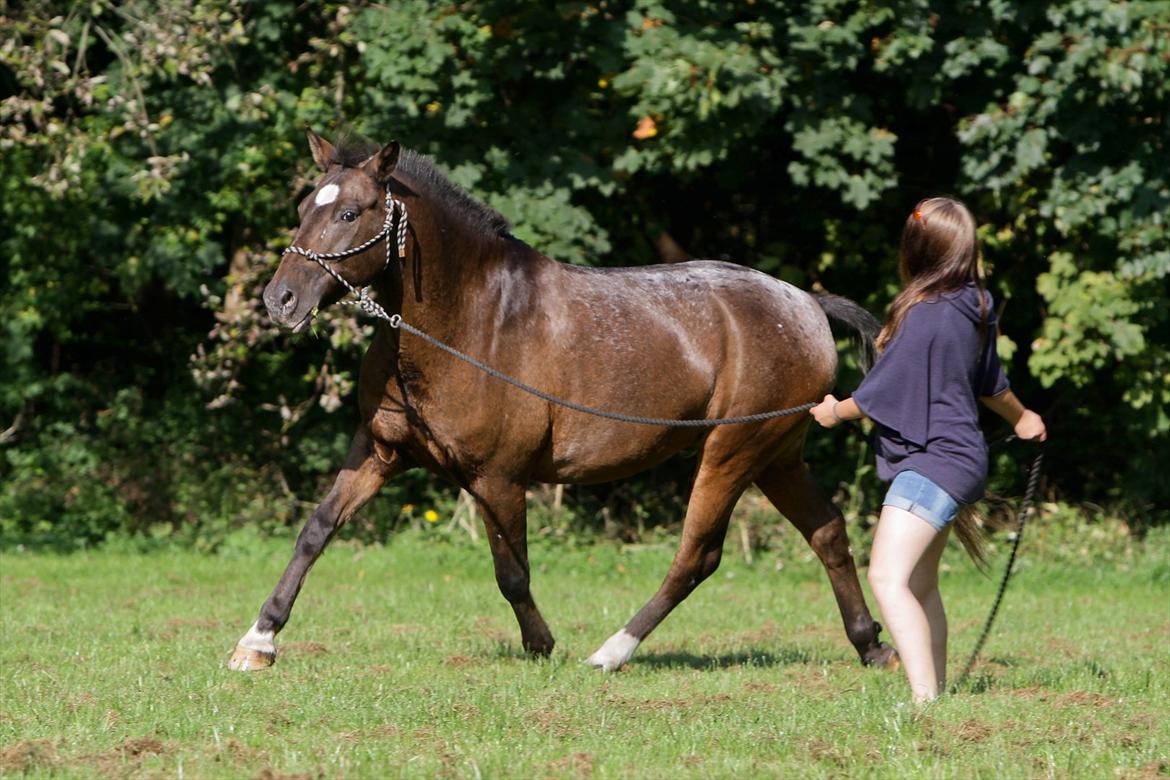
152, 152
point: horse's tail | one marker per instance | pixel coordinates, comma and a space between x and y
969, 529
864, 325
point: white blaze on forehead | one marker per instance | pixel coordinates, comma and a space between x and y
326, 194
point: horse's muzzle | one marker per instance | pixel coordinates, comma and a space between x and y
285, 307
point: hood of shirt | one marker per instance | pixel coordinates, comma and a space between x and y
966, 300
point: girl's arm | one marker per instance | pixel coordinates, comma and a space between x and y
1027, 424
830, 411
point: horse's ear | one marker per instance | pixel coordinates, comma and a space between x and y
322, 150
382, 164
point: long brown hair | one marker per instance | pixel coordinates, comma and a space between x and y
940, 253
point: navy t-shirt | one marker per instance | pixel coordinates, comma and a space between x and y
923, 394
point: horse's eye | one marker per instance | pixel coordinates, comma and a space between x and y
348, 216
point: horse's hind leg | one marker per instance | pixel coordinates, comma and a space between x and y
792, 490
359, 479
712, 499
505, 522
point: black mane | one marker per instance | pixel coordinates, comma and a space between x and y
426, 173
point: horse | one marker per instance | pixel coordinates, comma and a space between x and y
686, 341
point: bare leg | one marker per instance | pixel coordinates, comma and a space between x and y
505, 522
712, 499
792, 490
901, 542
360, 478
924, 586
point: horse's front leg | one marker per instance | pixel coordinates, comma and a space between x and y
505, 520
360, 478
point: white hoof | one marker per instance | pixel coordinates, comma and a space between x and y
612, 655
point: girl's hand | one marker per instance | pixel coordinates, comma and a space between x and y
1030, 427
824, 412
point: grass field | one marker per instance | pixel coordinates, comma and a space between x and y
404, 661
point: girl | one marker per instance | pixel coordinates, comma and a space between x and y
937, 355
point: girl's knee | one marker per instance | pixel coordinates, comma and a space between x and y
885, 584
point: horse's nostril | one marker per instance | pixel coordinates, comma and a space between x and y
288, 300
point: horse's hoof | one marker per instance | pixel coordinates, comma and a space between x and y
539, 651
613, 655
248, 660
885, 657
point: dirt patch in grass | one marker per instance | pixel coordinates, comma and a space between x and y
140, 746
268, 773
1071, 699
239, 753
277, 719
552, 722
824, 751
814, 685
304, 649
458, 661
1064, 647
761, 687
971, 732
126, 758
768, 632
23, 585
27, 755
84, 699
573, 765
658, 705
487, 627
1158, 769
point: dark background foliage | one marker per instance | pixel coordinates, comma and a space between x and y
151, 154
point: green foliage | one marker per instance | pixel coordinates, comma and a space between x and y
151, 153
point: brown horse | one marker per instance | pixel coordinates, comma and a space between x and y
685, 341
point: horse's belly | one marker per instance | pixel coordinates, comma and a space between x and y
611, 450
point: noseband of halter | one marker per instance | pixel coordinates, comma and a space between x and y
325, 259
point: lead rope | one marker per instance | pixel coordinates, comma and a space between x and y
397, 322
1021, 520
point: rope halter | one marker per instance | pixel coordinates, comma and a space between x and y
362, 299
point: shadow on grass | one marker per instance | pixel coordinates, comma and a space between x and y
749, 658
674, 659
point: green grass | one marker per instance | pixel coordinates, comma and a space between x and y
404, 661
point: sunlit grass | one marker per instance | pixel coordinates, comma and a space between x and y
404, 661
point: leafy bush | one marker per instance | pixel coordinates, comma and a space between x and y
151, 152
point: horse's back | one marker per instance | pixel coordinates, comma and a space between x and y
737, 311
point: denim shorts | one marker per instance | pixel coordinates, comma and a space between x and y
922, 498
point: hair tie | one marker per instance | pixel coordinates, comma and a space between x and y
918, 216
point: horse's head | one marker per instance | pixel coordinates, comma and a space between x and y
346, 209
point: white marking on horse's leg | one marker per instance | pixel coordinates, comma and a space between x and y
326, 194
615, 652
259, 640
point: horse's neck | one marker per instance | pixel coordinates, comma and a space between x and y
448, 265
